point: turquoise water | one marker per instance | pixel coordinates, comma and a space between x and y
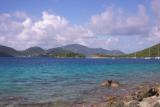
47, 79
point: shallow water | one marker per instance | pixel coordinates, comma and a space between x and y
48, 79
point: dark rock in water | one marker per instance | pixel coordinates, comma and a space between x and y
106, 83
134, 104
110, 83
157, 105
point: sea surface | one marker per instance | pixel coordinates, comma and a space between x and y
75, 80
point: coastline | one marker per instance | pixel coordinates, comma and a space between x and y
87, 85
144, 95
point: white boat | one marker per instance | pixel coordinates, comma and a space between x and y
157, 57
134, 57
113, 58
147, 57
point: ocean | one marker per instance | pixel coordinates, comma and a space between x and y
74, 80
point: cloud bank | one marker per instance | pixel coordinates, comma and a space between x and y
113, 28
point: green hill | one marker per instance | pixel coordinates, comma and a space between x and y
5, 55
67, 55
153, 51
7, 51
33, 51
62, 53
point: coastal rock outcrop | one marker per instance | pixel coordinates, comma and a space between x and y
134, 104
145, 93
115, 104
110, 83
157, 105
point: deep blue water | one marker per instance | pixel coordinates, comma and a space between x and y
47, 79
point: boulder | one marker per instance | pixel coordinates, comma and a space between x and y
115, 84
137, 96
106, 83
145, 93
134, 104
110, 83
151, 92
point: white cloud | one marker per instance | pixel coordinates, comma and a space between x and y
116, 22
156, 8
49, 31
104, 30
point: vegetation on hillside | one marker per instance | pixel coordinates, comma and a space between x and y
153, 51
67, 55
101, 55
5, 55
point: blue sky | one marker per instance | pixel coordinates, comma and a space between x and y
77, 11
109, 24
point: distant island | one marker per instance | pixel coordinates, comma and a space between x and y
78, 51
68, 51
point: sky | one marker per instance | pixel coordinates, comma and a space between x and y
126, 25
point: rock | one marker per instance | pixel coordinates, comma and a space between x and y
134, 104
145, 93
110, 98
110, 83
115, 84
127, 97
151, 92
158, 89
106, 83
137, 96
157, 105
115, 104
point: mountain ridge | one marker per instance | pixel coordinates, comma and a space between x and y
71, 48
77, 48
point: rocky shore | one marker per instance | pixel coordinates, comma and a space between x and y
147, 95
144, 95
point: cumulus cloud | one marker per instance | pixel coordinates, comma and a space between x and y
115, 21
156, 8
113, 28
49, 31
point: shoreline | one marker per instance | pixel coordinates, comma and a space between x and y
144, 95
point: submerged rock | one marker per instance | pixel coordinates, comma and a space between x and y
106, 83
115, 84
110, 83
